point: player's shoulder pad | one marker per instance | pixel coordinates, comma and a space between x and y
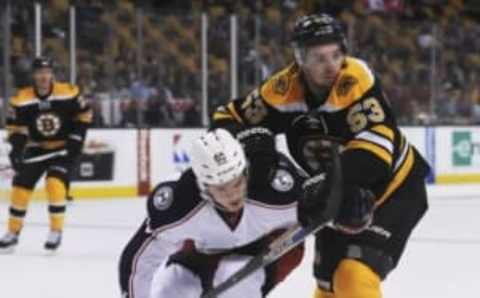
23, 97
173, 200
284, 88
64, 91
286, 186
354, 81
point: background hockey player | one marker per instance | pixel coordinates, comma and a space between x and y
217, 206
46, 125
327, 95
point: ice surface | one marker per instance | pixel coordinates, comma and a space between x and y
441, 261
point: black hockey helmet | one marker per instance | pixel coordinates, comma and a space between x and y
42, 62
318, 29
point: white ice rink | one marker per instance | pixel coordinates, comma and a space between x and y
441, 261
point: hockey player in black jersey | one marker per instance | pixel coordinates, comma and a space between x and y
46, 124
325, 95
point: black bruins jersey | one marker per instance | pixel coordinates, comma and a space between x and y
376, 154
48, 121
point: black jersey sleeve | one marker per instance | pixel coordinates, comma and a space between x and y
17, 127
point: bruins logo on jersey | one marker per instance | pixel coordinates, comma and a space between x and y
280, 85
345, 84
48, 124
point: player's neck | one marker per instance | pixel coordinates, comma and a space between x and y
319, 94
232, 219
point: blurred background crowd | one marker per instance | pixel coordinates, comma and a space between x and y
139, 62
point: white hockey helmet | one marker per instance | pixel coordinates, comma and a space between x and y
217, 158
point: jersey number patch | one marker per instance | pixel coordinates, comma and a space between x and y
363, 112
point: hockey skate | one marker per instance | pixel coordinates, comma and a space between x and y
54, 239
8, 243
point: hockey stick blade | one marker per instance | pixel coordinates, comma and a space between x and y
288, 240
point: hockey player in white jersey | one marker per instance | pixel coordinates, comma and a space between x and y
207, 224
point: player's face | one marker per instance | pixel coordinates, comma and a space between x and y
43, 78
322, 64
230, 195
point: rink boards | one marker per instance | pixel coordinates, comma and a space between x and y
128, 162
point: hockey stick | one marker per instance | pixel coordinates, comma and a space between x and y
45, 157
291, 238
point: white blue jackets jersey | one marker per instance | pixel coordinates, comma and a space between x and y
177, 212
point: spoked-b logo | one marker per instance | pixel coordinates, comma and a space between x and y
464, 148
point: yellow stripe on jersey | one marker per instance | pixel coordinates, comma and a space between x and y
64, 91
233, 112
399, 177
402, 141
221, 116
23, 97
13, 129
49, 145
61, 91
384, 131
372, 148
86, 117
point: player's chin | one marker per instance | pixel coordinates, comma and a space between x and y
235, 206
326, 81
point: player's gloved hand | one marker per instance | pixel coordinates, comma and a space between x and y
259, 146
16, 159
312, 203
74, 147
356, 211
200, 264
